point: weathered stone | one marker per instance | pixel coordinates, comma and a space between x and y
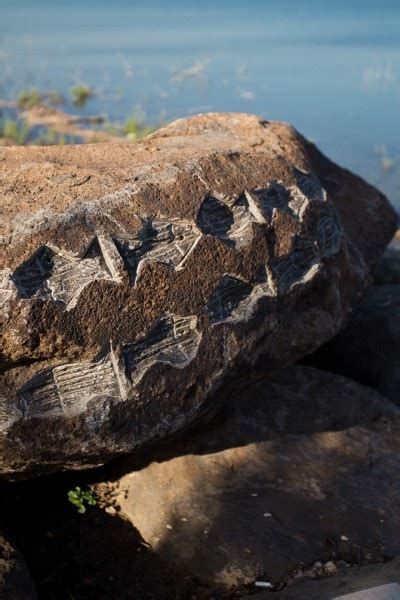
136, 277
374, 581
300, 467
15, 580
368, 349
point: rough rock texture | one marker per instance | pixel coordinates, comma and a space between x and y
347, 581
300, 467
15, 580
368, 350
136, 277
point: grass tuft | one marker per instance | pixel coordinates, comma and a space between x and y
29, 98
17, 131
80, 94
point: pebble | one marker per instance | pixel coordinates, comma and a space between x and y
264, 584
110, 510
330, 567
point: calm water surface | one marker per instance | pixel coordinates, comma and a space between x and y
330, 68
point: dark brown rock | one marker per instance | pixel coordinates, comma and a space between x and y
368, 349
388, 270
300, 467
137, 277
15, 580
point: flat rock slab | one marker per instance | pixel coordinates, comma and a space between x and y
135, 278
352, 583
368, 349
382, 592
300, 466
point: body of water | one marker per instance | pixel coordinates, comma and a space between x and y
330, 68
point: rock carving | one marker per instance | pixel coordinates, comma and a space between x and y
257, 259
159, 240
173, 341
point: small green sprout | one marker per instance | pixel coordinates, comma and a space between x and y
80, 94
80, 498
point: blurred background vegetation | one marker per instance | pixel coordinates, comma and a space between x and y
95, 70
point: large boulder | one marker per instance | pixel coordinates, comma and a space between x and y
299, 467
15, 580
136, 278
368, 349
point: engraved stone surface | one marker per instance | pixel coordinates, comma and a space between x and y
227, 297
124, 305
174, 341
164, 241
308, 185
70, 275
8, 291
30, 277
68, 389
296, 268
9, 413
51, 274
228, 221
275, 197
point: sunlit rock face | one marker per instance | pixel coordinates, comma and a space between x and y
271, 484
136, 278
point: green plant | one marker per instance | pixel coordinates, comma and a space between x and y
135, 129
80, 498
29, 98
80, 94
17, 131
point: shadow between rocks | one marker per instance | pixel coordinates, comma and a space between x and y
91, 556
298, 400
315, 452
283, 439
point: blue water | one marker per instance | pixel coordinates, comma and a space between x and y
330, 68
